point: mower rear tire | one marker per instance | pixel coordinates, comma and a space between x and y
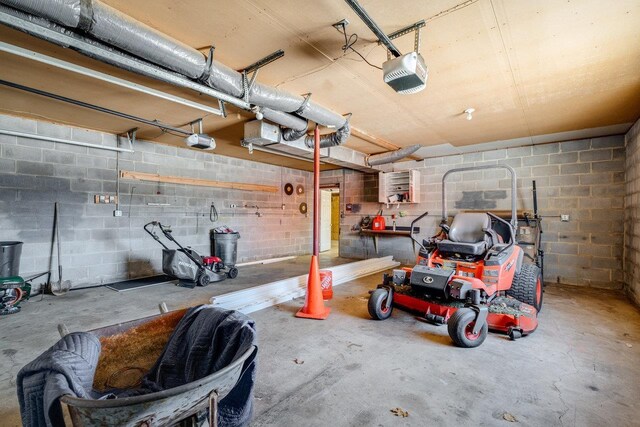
203, 280
232, 273
460, 328
527, 286
377, 302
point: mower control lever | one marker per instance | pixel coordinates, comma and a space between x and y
512, 239
413, 240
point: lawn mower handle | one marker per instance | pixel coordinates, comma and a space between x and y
166, 230
152, 234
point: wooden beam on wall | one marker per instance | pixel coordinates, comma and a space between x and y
154, 177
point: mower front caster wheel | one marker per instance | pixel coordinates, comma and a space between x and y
514, 334
377, 305
232, 273
460, 327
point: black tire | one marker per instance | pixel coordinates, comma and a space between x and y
232, 273
460, 327
203, 280
527, 286
377, 300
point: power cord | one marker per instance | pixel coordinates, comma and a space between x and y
349, 41
213, 213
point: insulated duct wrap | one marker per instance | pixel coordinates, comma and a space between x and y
293, 124
290, 134
392, 156
115, 28
321, 115
274, 98
61, 36
64, 12
331, 140
225, 79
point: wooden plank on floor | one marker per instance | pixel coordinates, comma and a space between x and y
264, 296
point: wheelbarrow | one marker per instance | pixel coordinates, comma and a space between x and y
163, 408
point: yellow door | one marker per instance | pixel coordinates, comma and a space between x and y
335, 216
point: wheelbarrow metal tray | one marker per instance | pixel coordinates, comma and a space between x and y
162, 408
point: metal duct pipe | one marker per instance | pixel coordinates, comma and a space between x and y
117, 29
60, 36
392, 156
112, 26
56, 34
292, 123
64, 141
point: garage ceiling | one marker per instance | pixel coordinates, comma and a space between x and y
528, 68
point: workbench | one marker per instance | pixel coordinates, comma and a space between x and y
389, 231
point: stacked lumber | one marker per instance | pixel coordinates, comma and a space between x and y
260, 297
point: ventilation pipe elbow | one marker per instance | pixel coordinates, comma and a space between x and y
392, 156
289, 134
338, 137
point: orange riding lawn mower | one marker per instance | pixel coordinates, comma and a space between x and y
474, 275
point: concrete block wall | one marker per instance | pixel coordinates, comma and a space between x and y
584, 179
100, 248
632, 213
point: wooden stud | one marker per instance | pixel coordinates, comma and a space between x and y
154, 177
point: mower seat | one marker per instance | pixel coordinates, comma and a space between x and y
467, 235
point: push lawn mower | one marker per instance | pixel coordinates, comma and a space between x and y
13, 290
186, 264
471, 277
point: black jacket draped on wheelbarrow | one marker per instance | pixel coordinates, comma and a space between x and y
205, 340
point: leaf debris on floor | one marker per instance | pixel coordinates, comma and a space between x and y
399, 412
508, 417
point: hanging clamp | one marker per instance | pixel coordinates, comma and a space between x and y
247, 145
303, 106
199, 122
406, 30
130, 136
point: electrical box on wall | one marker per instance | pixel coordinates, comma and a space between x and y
399, 187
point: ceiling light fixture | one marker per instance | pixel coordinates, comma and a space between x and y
469, 112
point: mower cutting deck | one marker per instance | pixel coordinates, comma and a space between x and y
468, 276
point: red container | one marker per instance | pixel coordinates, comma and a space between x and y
326, 283
378, 223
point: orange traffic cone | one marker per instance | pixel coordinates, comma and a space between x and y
313, 305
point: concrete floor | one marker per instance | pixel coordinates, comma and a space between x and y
579, 368
23, 336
